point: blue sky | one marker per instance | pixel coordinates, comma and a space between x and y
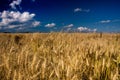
57, 15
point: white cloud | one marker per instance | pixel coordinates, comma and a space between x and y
81, 10
4, 14
50, 25
105, 21
14, 3
25, 16
36, 23
13, 16
13, 19
94, 30
109, 21
17, 20
69, 26
85, 29
77, 10
11, 26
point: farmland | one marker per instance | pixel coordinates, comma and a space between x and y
59, 56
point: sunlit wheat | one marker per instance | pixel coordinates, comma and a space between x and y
60, 56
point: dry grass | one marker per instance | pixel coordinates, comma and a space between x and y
60, 56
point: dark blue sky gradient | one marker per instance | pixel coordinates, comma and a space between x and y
61, 12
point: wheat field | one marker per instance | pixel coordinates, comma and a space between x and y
59, 56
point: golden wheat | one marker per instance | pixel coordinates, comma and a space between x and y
60, 56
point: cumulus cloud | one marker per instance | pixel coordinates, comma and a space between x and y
69, 26
81, 10
50, 25
15, 3
14, 26
105, 21
12, 16
16, 19
24, 17
77, 9
36, 23
85, 29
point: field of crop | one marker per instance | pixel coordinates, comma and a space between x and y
59, 56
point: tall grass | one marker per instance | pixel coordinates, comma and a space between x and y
60, 56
